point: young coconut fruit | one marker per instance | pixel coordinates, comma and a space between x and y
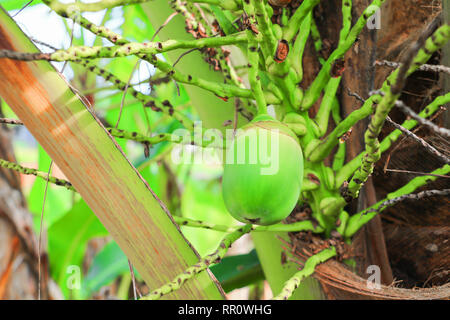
263, 172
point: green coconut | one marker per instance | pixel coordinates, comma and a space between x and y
263, 172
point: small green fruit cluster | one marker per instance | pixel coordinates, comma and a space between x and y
263, 172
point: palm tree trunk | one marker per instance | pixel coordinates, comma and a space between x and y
19, 272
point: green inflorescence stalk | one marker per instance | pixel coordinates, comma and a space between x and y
392, 91
293, 227
295, 58
221, 90
305, 225
307, 270
324, 148
88, 7
360, 219
339, 156
295, 22
212, 258
275, 73
409, 112
11, 121
194, 15
30, 171
372, 146
131, 48
253, 61
413, 196
107, 4
428, 147
316, 38
265, 27
434, 43
232, 5
347, 170
161, 137
144, 49
146, 100
329, 98
313, 92
253, 58
186, 222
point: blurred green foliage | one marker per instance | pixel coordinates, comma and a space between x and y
193, 191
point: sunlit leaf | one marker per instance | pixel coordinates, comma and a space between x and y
169, 91
202, 200
57, 201
107, 265
68, 238
238, 271
224, 18
136, 27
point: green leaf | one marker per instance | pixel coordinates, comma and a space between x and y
238, 271
223, 19
69, 235
6, 110
121, 67
58, 199
107, 265
136, 26
139, 28
68, 238
132, 118
202, 200
169, 91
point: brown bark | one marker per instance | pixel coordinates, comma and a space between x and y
446, 59
18, 243
406, 241
414, 231
369, 243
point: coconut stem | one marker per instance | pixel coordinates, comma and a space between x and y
253, 60
204, 263
308, 269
